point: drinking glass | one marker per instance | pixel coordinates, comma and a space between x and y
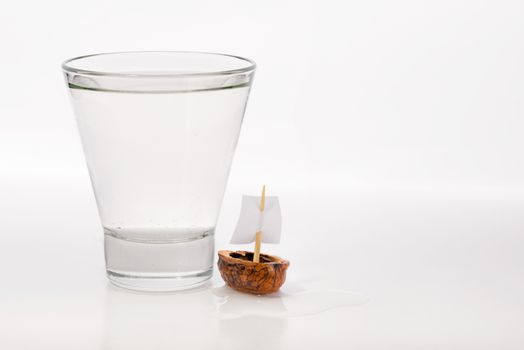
159, 130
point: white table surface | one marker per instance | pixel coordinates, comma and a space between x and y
370, 269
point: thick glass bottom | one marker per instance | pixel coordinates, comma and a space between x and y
163, 283
159, 266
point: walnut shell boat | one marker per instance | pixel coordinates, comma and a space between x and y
240, 272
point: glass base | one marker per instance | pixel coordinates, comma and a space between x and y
159, 266
159, 283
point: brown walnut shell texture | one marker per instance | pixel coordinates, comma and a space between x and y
240, 272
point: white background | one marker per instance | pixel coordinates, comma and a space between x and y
392, 130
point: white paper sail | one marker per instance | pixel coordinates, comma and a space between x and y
251, 220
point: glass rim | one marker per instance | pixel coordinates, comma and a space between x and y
66, 67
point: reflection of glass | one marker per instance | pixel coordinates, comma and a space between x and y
159, 130
140, 321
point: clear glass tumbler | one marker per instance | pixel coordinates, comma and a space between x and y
159, 130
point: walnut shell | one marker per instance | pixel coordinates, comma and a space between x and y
240, 272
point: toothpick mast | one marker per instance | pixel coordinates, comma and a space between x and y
258, 236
